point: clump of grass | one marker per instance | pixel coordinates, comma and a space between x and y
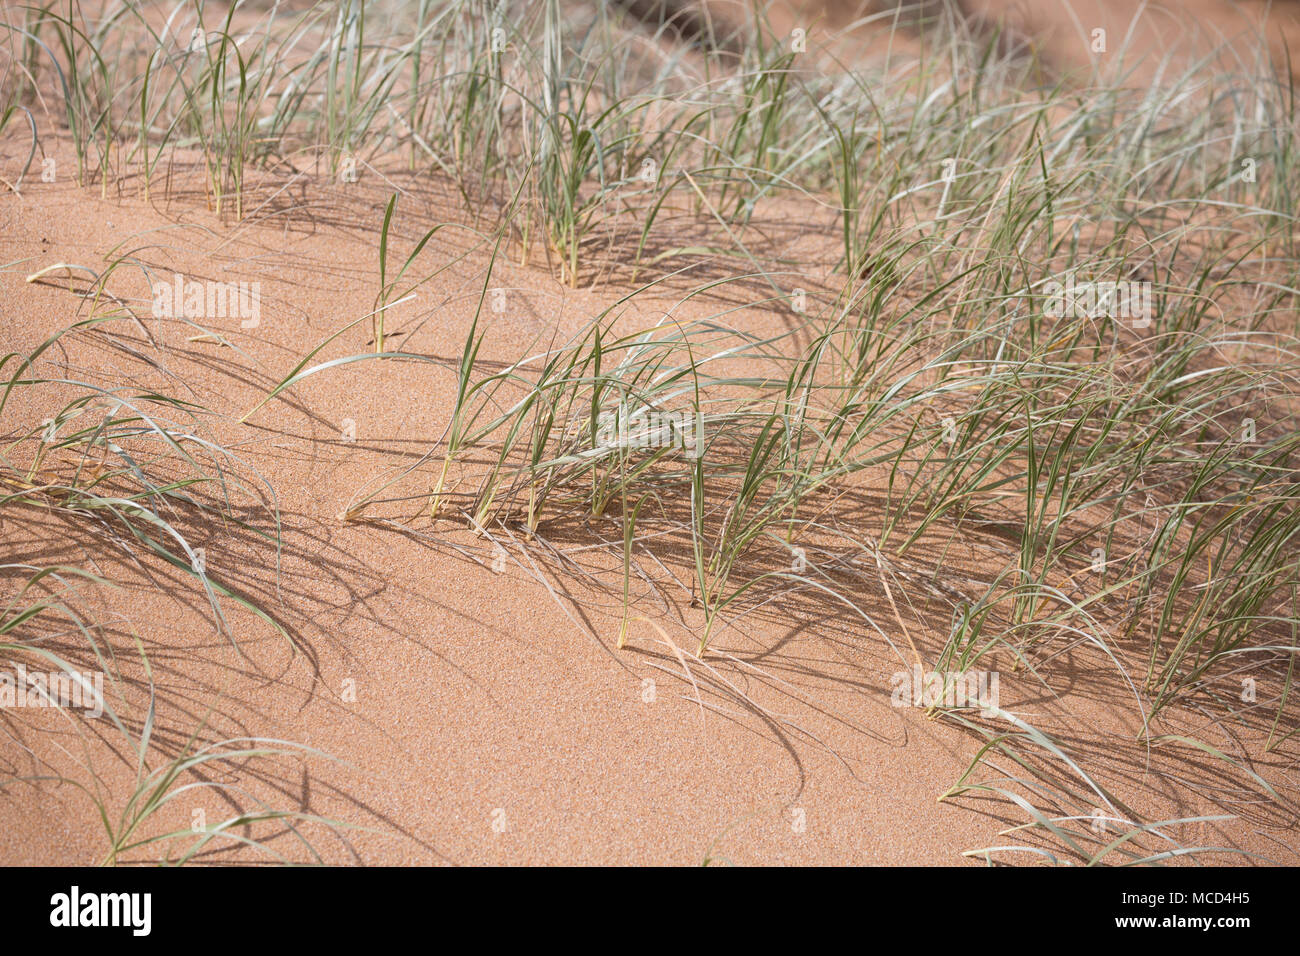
122, 461
958, 190
45, 606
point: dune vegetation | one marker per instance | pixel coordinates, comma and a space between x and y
1044, 317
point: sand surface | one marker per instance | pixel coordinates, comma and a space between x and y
471, 700
479, 715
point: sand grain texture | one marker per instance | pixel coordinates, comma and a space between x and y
492, 723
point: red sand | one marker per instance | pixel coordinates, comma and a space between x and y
493, 722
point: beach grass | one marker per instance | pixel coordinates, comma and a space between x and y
1139, 452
